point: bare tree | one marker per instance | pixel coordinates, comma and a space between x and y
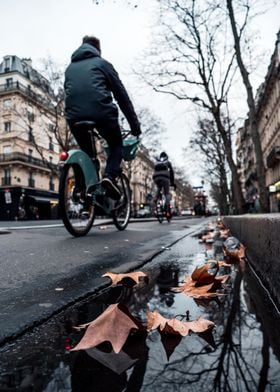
208, 141
238, 32
193, 60
55, 77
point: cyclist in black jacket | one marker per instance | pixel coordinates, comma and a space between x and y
90, 85
164, 177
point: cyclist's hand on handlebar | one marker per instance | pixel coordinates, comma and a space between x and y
136, 131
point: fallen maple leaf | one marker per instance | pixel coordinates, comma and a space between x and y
202, 276
189, 288
195, 290
176, 327
235, 254
224, 233
113, 325
136, 277
221, 224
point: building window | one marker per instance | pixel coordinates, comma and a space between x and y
31, 136
30, 152
51, 144
7, 149
30, 117
51, 184
7, 64
51, 127
9, 83
6, 180
31, 181
7, 126
7, 103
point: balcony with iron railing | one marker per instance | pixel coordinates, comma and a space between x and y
27, 159
27, 91
6, 180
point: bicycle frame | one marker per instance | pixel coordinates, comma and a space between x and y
79, 157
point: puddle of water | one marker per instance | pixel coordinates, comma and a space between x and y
242, 354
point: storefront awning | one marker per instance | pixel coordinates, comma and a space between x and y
44, 199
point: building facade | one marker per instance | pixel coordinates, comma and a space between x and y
268, 117
29, 152
268, 109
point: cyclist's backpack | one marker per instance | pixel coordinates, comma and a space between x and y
161, 165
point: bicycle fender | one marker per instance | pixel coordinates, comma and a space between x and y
80, 158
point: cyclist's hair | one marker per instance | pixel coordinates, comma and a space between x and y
93, 41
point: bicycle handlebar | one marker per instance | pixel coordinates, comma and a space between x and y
127, 133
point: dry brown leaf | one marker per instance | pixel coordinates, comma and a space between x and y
221, 225
202, 276
177, 327
192, 289
237, 254
224, 233
189, 288
113, 325
136, 277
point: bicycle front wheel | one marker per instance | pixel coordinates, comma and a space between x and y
77, 211
121, 211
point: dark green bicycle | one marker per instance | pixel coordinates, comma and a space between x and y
80, 190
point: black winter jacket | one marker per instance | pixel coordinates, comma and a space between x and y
89, 84
163, 169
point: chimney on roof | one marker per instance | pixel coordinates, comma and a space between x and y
27, 61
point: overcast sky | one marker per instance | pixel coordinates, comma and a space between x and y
42, 28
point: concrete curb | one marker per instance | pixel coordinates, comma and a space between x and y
260, 234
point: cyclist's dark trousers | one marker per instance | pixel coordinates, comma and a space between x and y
112, 134
163, 183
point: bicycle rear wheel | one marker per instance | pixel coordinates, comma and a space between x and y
160, 213
160, 209
77, 211
122, 209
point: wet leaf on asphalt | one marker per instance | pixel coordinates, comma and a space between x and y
191, 288
202, 276
237, 254
113, 325
224, 233
135, 277
176, 327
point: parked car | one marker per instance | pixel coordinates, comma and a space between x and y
144, 213
188, 212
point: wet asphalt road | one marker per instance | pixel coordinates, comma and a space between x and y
44, 269
240, 354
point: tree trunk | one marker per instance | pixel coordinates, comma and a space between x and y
252, 114
238, 199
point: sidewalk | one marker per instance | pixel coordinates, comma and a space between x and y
260, 234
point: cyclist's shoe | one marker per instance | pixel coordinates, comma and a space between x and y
111, 187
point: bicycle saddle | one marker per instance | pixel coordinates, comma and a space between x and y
84, 125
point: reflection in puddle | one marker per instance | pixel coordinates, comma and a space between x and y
242, 354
